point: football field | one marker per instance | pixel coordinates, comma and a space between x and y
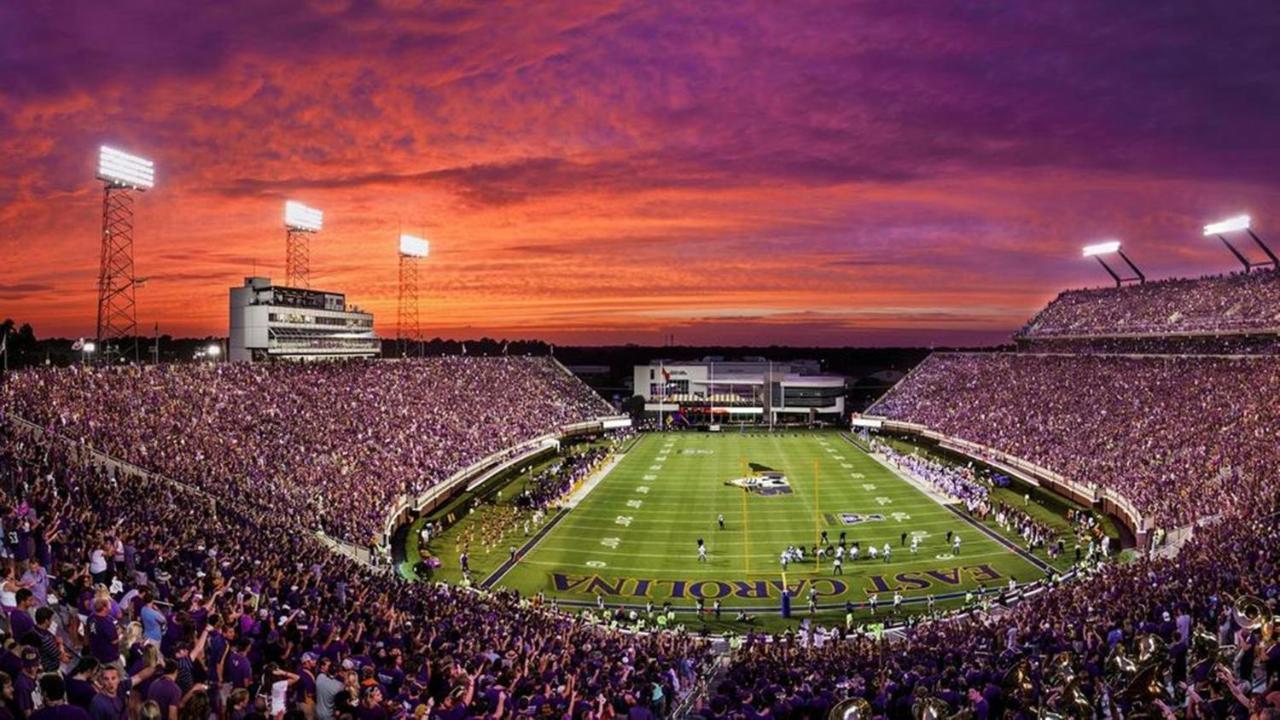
633, 537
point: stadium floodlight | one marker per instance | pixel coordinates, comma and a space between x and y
214, 350
124, 170
90, 346
300, 217
1102, 248
1235, 224
413, 246
1241, 223
1112, 247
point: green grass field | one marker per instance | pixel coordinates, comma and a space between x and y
633, 538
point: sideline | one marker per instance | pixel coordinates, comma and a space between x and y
576, 497
957, 508
528, 547
908, 478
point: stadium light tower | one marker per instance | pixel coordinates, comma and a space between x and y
121, 174
300, 222
412, 250
1236, 224
1112, 247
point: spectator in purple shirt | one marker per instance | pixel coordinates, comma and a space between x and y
164, 691
104, 636
80, 689
238, 671
20, 621
25, 685
54, 691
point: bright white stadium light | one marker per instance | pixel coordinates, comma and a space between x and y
1234, 224
300, 217
214, 350
121, 168
90, 347
413, 246
1104, 248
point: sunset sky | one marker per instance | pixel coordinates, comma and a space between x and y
593, 173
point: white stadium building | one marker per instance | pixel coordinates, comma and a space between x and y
753, 390
272, 322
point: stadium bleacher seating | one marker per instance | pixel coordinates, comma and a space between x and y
1166, 432
333, 443
1237, 303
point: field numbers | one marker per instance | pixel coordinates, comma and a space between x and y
900, 516
642, 489
650, 477
634, 504
882, 500
595, 564
623, 520
868, 487
611, 543
857, 476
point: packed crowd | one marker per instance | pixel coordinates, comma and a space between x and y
1235, 344
121, 591
332, 444
1239, 302
549, 486
1176, 436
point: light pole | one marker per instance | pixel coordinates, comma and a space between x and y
412, 250
1112, 247
300, 222
1238, 224
122, 175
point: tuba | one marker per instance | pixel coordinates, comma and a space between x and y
1062, 671
1119, 666
1152, 649
930, 708
854, 708
1017, 680
1075, 703
1250, 612
1147, 686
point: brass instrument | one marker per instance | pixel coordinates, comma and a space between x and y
930, 708
1250, 612
854, 708
1062, 671
1017, 680
1152, 649
1148, 685
1076, 703
1119, 666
